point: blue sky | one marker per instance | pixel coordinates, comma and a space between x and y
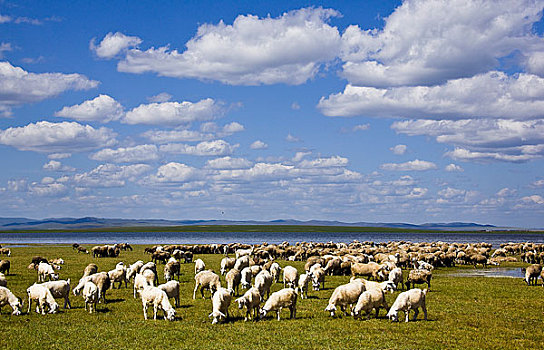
412, 111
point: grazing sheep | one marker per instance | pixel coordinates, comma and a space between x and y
226, 264
199, 266
243, 252
531, 273
263, 282
159, 299
369, 300
171, 269
419, 276
302, 286
345, 295
5, 251
75, 246
220, 305
233, 279
171, 288
251, 301
57, 261
412, 299
255, 269
153, 268
46, 271
60, 289
286, 297
5, 265
386, 286
318, 277
90, 296
8, 298
395, 276
91, 269
3, 280
241, 263
102, 281
43, 298
369, 270
82, 250
140, 282
422, 265
246, 278
290, 277
36, 260
134, 269
275, 271
206, 280
118, 275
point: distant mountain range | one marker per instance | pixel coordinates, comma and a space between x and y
92, 222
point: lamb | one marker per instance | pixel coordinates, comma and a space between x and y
263, 282
206, 280
3, 281
302, 287
227, 263
199, 266
412, 299
60, 289
102, 281
275, 270
90, 296
43, 298
91, 269
220, 305
286, 297
290, 277
44, 271
171, 269
233, 278
251, 301
395, 276
246, 278
5, 265
531, 273
141, 281
318, 276
134, 269
171, 288
118, 275
419, 276
8, 298
345, 295
368, 300
159, 299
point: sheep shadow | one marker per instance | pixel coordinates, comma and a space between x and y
185, 306
102, 310
113, 301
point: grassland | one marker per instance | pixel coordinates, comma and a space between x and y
464, 313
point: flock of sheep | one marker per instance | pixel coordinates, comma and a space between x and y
255, 269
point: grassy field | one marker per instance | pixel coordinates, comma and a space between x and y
464, 312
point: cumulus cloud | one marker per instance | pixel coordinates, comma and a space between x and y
205, 148
252, 51
228, 163
65, 137
534, 199
160, 98
399, 149
414, 165
48, 189
424, 42
258, 145
100, 109
173, 113
523, 154
136, 154
59, 155
54, 165
335, 161
174, 172
453, 168
18, 86
111, 175
291, 138
113, 44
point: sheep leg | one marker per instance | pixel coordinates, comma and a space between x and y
145, 310
424, 308
416, 312
155, 309
407, 313
278, 313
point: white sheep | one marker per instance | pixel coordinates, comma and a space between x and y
171, 269
318, 278
243, 252
263, 282
246, 278
143, 280
90, 296
134, 269
43, 298
241, 263
412, 299
226, 264
251, 301
159, 299
302, 286
386, 286
153, 268
60, 289
8, 298
286, 297
220, 305
290, 277
199, 266
395, 276
369, 300
46, 271
345, 295
119, 274
275, 271
102, 281
206, 280
3, 280
233, 279
171, 288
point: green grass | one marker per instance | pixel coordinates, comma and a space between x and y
464, 312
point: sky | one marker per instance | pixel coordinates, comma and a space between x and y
379, 111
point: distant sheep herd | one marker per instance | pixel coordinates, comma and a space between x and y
375, 269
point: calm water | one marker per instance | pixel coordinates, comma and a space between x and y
257, 237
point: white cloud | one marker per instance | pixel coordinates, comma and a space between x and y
453, 168
450, 193
258, 145
335, 161
17, 185
405, 180
301, 154
399, 149
507, 192
490, 95
228, 163
114, 44
205, 148
291, 138
533, 199
47, 137
161, 136
361, 127
231, 128
18, 86
160, 98
252, 51
48, 190
174, 172
538, 183
54, 165
110, 175
523, 155
5, 47
414, 165
59, 155
173, 113
295, 106
102, 109
136, 154
424, 42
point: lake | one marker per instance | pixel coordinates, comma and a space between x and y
259, 237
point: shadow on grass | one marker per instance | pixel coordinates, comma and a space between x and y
118, 300
186, 306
